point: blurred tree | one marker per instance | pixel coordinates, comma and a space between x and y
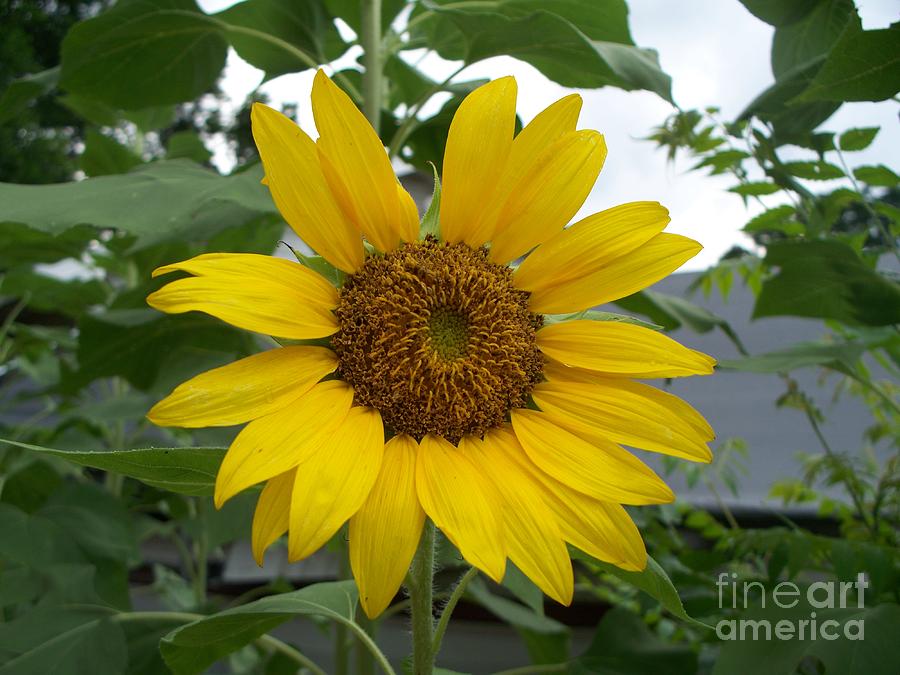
38, 145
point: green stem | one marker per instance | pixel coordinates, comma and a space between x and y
455, 597
406, 128
420, 584
263, 641
370, 39
365, 665
201, 551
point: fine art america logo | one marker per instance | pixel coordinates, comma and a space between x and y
820, 595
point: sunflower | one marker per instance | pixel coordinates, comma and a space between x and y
439, 380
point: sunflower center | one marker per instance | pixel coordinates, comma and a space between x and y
436, 338
449, 333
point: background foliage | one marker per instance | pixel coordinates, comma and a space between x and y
117, 106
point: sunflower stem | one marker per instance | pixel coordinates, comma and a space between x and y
370, 39
420, 585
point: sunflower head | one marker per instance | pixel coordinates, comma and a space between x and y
448, 377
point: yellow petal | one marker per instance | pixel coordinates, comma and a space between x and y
334, 482
255, 292
385, 532
478, 146
606, 472
556, 372
270, 520
591, 244
620, 349
531, 533
462, 503
362, 178
409, 215
278, 442
627, 274
246, 389
601, 529
546, 128
299, 189
623, 412
547, 197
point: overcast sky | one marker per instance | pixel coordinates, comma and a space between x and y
717, 54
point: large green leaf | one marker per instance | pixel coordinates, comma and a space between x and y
877, 653
189, 471
623, 645
144, 52
62, 642
653, 581
550, 42
826, 280
793, 122
157, 202
800, 42
278, 30
196, 646
150, 349
862, 66
780, 12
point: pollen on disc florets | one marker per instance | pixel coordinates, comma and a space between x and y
436, 338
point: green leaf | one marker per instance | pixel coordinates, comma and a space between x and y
62, 642
755, 189
623, 645
722, 161
104, 156
70, 297
150, 349
189, 471
187, 145
826, 280
814, 170
857, 139
838, 356
877, 654
156, 202
305, 26
511, 612
143, 53
672, 312
862, 66
24, 90
431, 221
779, 12
879, 175
801, 42
598, 315
778, 219
653, 581
792, 123
194, 647
549, 41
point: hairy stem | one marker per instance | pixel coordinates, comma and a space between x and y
420, 584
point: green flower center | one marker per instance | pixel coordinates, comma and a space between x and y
449, 333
